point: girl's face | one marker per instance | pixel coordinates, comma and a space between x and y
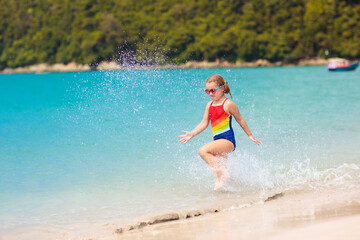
217, 94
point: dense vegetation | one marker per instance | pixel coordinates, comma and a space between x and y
88, 31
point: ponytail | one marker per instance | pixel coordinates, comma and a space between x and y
227, 88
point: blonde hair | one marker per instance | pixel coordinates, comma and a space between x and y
219, 80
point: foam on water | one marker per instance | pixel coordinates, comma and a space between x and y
252, 186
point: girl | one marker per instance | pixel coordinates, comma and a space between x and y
220, 112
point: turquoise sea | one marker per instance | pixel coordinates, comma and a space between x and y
102, 147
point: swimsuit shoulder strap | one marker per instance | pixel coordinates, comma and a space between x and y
224, 101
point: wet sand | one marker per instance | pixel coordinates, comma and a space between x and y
330, 215
326, 215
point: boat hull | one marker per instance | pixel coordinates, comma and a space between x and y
343, 69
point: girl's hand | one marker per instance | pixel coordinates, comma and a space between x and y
186, 137
255, 140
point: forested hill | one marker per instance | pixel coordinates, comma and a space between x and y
88, 31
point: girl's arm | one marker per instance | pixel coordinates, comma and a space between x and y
234, 110
198, 129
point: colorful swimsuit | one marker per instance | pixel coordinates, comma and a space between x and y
221, 123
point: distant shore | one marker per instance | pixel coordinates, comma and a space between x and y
111, 66
45, 67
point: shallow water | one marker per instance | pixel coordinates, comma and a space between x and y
103, 147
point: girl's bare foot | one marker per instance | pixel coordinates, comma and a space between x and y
222, 176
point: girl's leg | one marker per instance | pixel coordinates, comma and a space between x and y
214, 154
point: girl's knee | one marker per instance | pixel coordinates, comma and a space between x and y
202, 151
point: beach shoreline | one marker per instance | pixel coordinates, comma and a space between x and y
113, 66
317, 214
292, 216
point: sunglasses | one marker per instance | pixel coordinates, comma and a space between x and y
213, 90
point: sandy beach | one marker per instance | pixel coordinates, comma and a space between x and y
325, 215
312, 215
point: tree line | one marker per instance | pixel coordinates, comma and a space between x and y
90, 31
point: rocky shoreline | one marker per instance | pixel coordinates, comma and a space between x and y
112, 66
45, 67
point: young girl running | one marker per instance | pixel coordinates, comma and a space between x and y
220, 112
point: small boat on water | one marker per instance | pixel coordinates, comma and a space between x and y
340, 65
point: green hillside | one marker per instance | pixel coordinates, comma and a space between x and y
89, 31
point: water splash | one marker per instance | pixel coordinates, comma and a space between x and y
145, 55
